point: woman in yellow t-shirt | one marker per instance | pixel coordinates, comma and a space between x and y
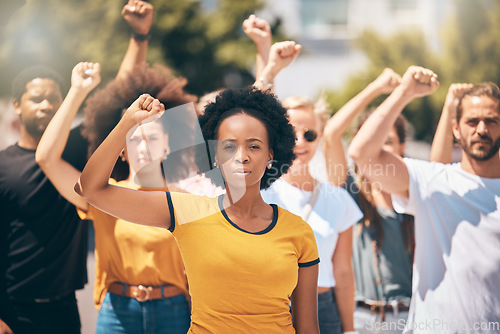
140, 281
245, 260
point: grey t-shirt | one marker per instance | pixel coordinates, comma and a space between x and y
395, 263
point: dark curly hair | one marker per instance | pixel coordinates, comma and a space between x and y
263, 106
104, 109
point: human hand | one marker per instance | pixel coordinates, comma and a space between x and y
282, 54
145, 109
455, 92
387, 81
258, 30
86, 76
419, 81
139, 16
4, 328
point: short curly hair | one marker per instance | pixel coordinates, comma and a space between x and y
103, 110
265, 107
38, 71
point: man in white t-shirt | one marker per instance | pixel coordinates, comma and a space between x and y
456, 279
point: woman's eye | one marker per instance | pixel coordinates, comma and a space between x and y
255, 147
229, 147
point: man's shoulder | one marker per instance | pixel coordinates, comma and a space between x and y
13, 153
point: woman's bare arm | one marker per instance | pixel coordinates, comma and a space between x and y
337, 125
305, 301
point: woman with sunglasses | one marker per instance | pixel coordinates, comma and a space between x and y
328, 209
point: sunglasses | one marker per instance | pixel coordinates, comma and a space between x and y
310, 135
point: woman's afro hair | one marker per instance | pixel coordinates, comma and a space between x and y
103, 110
263, 106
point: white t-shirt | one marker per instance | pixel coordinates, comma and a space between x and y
456, 275
334, 212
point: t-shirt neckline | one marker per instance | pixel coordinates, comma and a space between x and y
264, 231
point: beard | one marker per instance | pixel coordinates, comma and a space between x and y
481, 155
35, 129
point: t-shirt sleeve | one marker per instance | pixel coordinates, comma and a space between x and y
186, 208
308, 255
420, 172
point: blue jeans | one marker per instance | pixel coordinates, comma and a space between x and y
328, 314
119, 314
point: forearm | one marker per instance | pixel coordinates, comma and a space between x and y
136, 54
442, 144
262, 58
367, 144
344, 296
96, 173
336, 162
266, 80
340, 121
56, 134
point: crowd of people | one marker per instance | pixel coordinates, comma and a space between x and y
208, 218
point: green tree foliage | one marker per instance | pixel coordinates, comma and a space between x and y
470, 50
207, 46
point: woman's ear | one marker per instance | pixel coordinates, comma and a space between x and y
270, 161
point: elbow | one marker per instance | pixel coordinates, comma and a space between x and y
79, 189
40, 159
355, 153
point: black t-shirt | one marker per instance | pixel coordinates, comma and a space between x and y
43, 243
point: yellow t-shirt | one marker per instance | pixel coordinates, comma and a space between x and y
240, 282
133, 254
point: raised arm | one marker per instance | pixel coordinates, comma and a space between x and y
84, 78
442, 144
139, 16
384, 168
259, 31
337, 125
141, 207
281, 55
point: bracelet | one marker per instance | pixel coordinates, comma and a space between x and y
140, 37
265, 83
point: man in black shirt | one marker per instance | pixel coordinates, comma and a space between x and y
43, 243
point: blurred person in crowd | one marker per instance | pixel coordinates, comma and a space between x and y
457, 230
140, 283
383, 239
330, 212
43, 243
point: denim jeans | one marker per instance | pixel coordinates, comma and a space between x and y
119, 314
328, 314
